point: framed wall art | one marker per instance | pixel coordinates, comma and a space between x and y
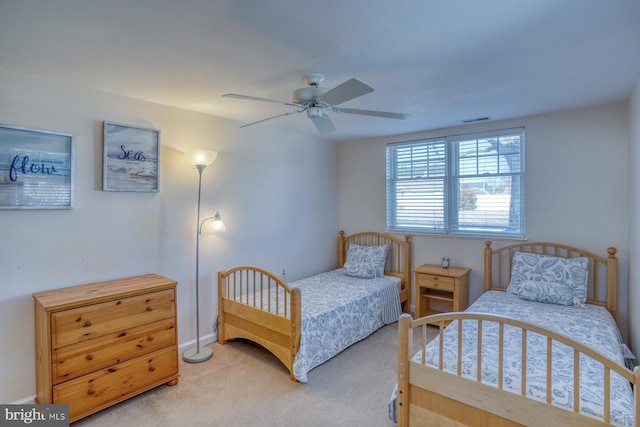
36, 169
131, 158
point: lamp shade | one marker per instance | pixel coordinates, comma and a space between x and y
200, 157
218, 225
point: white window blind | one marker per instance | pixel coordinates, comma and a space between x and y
464, 185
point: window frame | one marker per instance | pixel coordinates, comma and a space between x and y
414, 166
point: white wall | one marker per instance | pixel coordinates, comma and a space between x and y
634, 232
577, 189
277, 193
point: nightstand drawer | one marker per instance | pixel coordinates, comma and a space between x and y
436, 282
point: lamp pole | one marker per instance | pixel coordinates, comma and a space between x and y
201, 159
204, 354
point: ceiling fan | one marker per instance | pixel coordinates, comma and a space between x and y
317, 102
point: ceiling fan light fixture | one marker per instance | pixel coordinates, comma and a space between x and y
314, 112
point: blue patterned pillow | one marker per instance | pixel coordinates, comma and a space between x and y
570, 272
366, 262
549, 292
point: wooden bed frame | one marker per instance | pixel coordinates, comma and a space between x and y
241, 317
428, 396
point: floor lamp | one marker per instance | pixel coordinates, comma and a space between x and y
201, 159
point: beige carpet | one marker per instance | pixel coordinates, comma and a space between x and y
244, 385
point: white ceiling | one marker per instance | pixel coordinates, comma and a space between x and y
441, 61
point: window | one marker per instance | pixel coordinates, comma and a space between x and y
461, 185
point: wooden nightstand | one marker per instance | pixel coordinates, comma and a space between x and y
440, 289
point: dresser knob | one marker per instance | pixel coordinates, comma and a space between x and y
91, 392
152, 368
89, 356
150, 339
149, 308
88, 323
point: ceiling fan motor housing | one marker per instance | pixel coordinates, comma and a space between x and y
308, 94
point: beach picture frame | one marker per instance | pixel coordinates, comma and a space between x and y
131, 158
36, 168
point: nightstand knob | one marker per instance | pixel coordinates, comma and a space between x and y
152, 368
150, 339
88, 323
149, 308
91, 392
89, 356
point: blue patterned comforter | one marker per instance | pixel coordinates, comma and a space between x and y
340, 310
588, 324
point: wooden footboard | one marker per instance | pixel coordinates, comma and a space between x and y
429, 396
256, 305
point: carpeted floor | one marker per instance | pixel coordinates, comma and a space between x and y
244, 385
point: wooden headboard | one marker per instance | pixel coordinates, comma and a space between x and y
603, 272
398, 259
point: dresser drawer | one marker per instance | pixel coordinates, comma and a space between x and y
107, 386
84, 323
74, 360
436, 282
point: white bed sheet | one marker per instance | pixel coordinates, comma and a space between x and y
340, 310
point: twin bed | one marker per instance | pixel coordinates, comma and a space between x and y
539, 347
306, 322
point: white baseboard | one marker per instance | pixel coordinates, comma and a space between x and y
25, 401
207, 339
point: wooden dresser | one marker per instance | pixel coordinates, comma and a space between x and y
101, 343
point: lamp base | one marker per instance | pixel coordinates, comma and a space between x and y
194, 356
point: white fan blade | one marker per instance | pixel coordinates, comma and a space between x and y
255, 98
272, 117
401, 116
348, 90
323, 123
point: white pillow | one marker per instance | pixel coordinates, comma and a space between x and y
570, 272
548, 292
366, 262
